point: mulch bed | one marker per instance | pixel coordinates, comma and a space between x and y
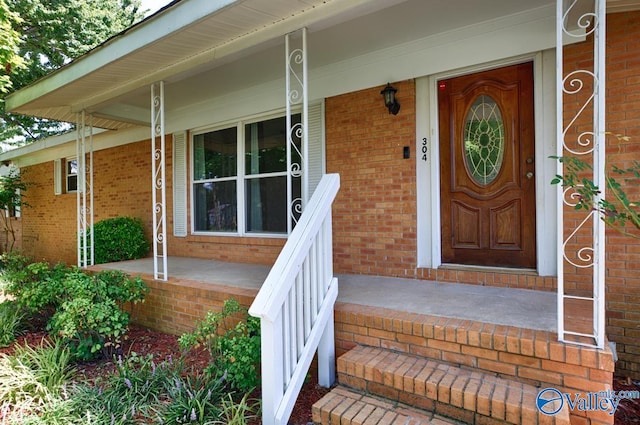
164, 346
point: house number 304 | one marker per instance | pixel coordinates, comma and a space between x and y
423, 149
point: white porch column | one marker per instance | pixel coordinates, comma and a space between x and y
158, 186
297, 135
582, 246
84, 193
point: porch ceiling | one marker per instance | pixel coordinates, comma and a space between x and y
230, 44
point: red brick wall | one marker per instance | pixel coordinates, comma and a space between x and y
623, 117
375, 211
122, 186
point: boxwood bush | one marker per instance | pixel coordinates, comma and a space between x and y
119, 239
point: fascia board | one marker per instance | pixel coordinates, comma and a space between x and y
65, 145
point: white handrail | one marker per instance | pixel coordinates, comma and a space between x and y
295, 305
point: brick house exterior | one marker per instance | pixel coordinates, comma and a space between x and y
375, 214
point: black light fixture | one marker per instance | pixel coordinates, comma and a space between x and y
389, 94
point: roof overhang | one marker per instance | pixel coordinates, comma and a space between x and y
184, 38
227, 44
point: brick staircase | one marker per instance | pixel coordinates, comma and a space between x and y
407, 368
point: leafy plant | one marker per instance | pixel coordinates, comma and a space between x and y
37, 286
232, 338
238, 412
195, 399
11, 322
34, 375
137, 388
90, 316
618, 210
119, 239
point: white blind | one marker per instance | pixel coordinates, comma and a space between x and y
316, 161
180, 184
57, 176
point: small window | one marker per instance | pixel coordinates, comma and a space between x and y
72, 174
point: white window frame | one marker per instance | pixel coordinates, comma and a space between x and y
67, 174
240, 178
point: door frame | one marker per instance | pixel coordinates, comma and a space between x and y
429, 253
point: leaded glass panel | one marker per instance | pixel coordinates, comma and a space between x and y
484, 142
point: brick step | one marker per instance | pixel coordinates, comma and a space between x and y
465, 394
343, 406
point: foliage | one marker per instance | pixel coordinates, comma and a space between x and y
135, 389
12, 190
84, 309
9, 42
232, 338
90, 316
119, 239
54, 32
36, 287
618, 210
238, 412
194, 399
11, 322
34, 375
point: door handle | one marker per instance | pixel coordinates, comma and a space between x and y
529, 175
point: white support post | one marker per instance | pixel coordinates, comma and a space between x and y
575, 251
158, 183
84, 194
599, 164
297, 134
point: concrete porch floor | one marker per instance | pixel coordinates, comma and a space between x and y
502, 306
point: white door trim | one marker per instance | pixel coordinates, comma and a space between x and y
428, 168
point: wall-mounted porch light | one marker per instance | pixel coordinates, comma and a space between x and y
389, 94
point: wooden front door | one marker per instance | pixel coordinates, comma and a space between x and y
487, 168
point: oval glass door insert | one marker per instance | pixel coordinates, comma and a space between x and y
484, 140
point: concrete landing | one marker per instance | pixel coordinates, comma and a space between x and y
503, 306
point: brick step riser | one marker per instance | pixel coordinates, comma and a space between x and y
528, 356
469, 396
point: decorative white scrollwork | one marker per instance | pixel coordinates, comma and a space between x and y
574, 84
158, 182
84, 158
587, 21
581, 138
296, 95
296, 209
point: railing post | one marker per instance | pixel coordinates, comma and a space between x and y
272, 353
327, 352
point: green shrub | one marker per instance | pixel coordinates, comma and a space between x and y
119, 239
90, 316
35, 287
232, 338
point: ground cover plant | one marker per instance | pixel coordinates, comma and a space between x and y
81, 320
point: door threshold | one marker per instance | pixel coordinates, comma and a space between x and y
492, 269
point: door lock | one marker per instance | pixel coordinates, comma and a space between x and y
529, 175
